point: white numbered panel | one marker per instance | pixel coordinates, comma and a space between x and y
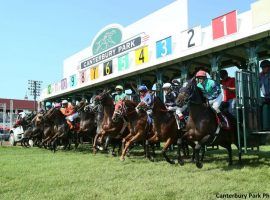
191, 38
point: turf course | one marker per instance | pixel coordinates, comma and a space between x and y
33, 173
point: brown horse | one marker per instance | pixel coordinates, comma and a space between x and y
165, 128
139, 128
202, 126
57, 129
87, 127
106, 127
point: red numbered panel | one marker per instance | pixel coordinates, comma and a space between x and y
224, 25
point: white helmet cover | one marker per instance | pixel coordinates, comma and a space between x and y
166, 85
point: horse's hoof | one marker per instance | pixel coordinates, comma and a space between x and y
122, 158
199, 165
181, 162
94, 151
152, 159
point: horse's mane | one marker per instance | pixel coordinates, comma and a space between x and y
161, 104
132, 103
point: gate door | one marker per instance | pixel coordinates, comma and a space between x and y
247, 109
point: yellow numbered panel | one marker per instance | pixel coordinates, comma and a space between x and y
141, 55
94, 73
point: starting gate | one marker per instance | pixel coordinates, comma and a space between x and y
249, 111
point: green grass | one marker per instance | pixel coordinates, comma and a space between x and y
35, 173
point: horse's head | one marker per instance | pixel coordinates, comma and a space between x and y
104, 98
123, 109
190, 93
158, 104
141, 107
53, 113
119, 111
80, 106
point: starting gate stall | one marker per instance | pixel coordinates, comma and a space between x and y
161, 47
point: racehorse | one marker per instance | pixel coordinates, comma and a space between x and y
87, 124
26, 126
165, 128
107, 127
58, 128
203, 125
139, 128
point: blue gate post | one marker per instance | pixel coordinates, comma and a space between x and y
184, 73
255, 101
159, 84
138, 83
215, 65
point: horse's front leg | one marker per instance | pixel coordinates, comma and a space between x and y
179, 157
95, 141
167, 144
199, 145
134, 139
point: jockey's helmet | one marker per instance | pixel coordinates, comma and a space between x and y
142, 88
48, 105
154, 87
201, 73
22, 114
64, 102
166, 86
119, 87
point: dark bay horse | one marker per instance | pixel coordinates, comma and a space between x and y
165, 129
87, 123
57, 129
139, 128
106, 127
202, 126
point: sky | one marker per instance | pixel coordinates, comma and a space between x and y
36, 36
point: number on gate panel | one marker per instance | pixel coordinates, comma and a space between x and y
141, 55
73, 80
164, 47
123, 62
94, 73
224, 25
63, 84
107, 68
190, 42
82, 76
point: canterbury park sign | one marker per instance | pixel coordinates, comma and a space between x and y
108, 45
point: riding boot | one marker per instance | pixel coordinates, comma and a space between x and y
70, 124
223, 121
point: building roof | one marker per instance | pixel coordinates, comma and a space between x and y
19, 104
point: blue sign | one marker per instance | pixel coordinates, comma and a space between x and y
73, 81
164, 47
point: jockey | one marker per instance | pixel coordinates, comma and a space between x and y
147, 98
170, 97
120, 95
212, 92
48, 106
68, 110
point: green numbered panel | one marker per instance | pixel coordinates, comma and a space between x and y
123, 63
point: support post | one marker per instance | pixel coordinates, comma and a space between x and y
184, 73
215, 65
159, 84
